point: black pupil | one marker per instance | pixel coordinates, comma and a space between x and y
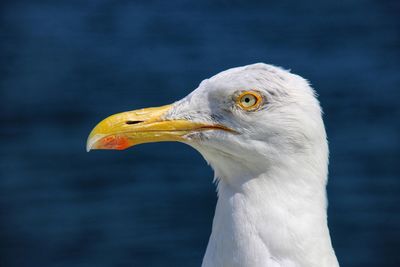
247, 100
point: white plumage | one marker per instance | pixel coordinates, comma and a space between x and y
271, 168
271, 208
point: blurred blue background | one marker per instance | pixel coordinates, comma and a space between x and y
67, 64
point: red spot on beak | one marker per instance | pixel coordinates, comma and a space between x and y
117, 142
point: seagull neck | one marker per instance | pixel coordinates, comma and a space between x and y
276, 218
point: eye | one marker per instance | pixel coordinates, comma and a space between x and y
249, 100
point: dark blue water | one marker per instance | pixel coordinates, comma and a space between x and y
67, 64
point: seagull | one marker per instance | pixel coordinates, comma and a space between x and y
260, 128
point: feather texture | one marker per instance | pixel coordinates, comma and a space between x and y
271, 208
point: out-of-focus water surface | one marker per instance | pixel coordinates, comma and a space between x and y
67, 64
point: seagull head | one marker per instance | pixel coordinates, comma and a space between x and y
242, 120
260, 128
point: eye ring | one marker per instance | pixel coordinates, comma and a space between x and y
249, 100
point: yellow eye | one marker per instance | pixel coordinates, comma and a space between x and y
249, 100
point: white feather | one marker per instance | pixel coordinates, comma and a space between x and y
271, 209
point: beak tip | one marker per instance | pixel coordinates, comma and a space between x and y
89, 145
92, 141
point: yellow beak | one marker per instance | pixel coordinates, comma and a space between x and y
126, 129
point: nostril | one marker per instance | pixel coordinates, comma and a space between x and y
133, 122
